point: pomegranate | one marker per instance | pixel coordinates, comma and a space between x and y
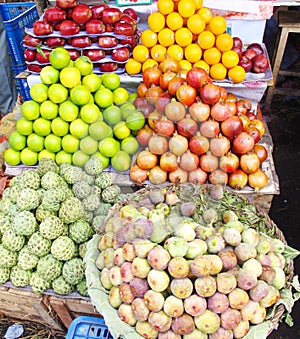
229, 162
243, 143
261, 152
164, 127
152, 94
175, 111
158, 144
249, 162
186, 94
153, 117
144, 134
254, 132
162, 101
165, 79
141, 90
168, 162
243, 106
198, 144
189, 161
137, 174
259, 124
151, 76
197, 176
232, 127
157, 176
187, 126
146, 160
199, 111
169, 64
219, 111
208, 162
174, 84
196, 77
218, 177
210, 93
178, 144
209, 128
258, 180
219, 145
238, 179
178, 176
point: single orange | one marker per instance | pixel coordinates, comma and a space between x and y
206, 39
133, 67
193, 53
206, 14
156, 21
212, 56
183, 36
236, 74
186, 8
166, 37
218, 71
217, 25
196, 24
149, 63
140, 53
176, 52
165, 7
185, 64
148, 38
158, 53
230, 59
174, 21
224, 42
202, 64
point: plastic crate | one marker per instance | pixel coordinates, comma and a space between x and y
16, 16
21, 84
84, 327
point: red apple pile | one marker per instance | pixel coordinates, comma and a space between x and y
196, 131
103, 33
252, 59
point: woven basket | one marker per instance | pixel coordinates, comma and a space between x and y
99, 295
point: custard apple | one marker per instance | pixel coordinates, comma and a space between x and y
5, 223
51, 227
13, 241
41, 213
4, 274
14, 192
98, 223
8, 258
93, 166
63, 248
71, 210
28, 199
51, 180
19, 277
88, 178
49, 268
5, 204
104, 180
6, 193
81, 189
12, 211
110, 194
26, 259
39, 245
82, 288
30, 178
73, 271
91, 202
82, 249
72, 174
88, 216
80, 231
60, 286
103, 208
96, 190
47, 165
63, 167
38, 284
24, 223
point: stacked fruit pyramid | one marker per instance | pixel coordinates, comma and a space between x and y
189, 261
75, 114
47, 216
189, 33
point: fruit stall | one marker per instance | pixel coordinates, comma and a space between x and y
138, 171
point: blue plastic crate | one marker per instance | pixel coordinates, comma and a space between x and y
21, 84
16, 17
85, 327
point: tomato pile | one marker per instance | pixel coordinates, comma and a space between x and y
103, 33
196, 131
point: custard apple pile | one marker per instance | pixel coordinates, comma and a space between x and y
47, 216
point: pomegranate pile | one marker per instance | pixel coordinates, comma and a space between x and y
196, 131
191, 261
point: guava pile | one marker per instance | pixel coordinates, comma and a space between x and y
190, 261
74, 114
47, 216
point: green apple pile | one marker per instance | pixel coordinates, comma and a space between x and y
74, 114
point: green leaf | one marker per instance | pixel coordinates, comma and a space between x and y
289, 320
258, 331
290, 253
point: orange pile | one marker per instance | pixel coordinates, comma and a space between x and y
189, 33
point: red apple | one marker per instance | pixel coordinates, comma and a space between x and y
107, 41
256, 47
94, 54
74, 54
82, 13
66, 3
121, 54
108, 67
238, 50
54, 15
124, 28
69, 28
131, 12
32, 41
53, 42
237, 42
260, 63
42, 28
246, 63
29, 55
43, 56
81, 41
111, 15
249, 53
95, 26
97, 10
34, 68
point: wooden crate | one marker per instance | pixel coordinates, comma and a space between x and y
67, 309
27, 305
